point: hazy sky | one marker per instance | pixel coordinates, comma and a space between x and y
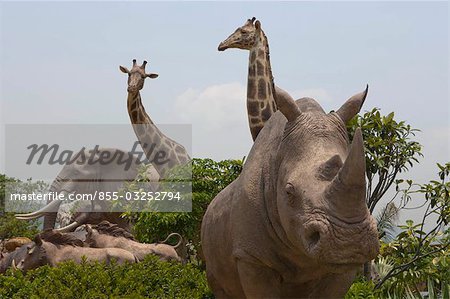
59, 64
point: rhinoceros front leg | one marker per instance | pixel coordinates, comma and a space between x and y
259, 281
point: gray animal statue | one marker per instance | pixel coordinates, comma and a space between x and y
87, 178
52, 247
106, 235
294, 224
16, 257
12, 259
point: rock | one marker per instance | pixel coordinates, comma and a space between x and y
11, 244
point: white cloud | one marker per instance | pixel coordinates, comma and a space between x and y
215, 106
218, 115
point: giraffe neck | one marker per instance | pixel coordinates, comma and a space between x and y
260, 87
160, 150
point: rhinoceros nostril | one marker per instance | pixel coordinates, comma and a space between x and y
313, 239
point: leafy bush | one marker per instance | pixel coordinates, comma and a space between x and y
361, 289
148, 279
9, 225
208, 179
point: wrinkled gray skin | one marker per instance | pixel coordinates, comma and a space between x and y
82, 177
42, 253
6, 260
294, 224
165, 252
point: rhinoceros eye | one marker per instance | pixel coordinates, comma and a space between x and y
290, 189
294, 196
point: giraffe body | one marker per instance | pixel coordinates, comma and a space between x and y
261, 102
164, 152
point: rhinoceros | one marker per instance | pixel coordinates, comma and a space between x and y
52, 247
106, 235
294, 224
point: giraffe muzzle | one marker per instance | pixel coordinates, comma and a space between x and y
222, 47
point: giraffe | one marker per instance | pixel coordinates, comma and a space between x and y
163, 152
261, 90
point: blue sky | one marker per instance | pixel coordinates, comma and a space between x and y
60, 61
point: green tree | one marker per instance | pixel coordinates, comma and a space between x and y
389, 151
9, 225
421, 254
208, 179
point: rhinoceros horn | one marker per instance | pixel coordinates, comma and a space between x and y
348, 188
352, 106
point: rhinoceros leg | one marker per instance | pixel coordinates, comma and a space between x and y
258, 281
218, 291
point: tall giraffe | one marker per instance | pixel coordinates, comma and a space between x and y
163, 152
261, 90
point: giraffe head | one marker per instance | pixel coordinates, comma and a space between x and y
136, 76
245, 37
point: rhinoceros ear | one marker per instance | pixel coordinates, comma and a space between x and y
38, 240
286, 104
352, 106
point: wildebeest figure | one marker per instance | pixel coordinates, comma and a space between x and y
52, 247
107, 235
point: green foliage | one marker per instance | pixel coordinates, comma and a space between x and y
418, 259
208, 179
389, 150
148, 279
422, 261
361, 289
422, 255
9, 225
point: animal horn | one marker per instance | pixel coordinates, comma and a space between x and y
286, 104
354, 169
250, 21
352, 106
68, 228
39, 213
144, 64
38, 240
134, 62
348, 189
179, 241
